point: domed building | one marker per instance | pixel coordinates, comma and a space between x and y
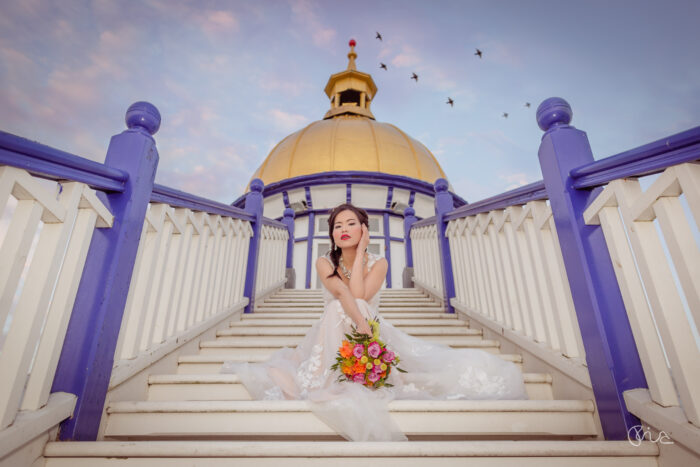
349, 157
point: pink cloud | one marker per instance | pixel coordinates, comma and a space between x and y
304, 14
286, 121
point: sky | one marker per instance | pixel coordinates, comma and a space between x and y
233, 78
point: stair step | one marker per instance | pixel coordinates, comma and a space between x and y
516, 419
236, 419
398, 322
228, 387
341, 453
316, 314
434, 331
231, 344
211, 363
382, 309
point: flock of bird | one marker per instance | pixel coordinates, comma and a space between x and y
414, 76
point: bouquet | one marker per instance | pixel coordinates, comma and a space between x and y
366, 359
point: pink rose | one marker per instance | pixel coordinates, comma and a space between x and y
373, 377
388, 356
377, 369
358, 350
359, 378
374, 349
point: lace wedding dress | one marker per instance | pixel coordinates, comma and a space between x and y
434, 371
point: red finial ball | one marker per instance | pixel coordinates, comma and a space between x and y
352, 43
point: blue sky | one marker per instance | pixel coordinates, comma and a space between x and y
232, 78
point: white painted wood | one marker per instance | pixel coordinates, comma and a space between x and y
565, 327
682, 351
163, 310
36, 394
184, 219
152, 303
510, 299
203, 261
495, 272
544, 284
141, 280
670, 419
641, 321
33, 303
15, 249
194, 255
30, 424
682, 247
492, 453
523, 308
528, 274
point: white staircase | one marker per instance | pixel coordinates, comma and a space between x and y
199, 417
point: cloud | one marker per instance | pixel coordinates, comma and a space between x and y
515, 180
286, 121
303, 13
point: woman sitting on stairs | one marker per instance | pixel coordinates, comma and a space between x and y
351, 279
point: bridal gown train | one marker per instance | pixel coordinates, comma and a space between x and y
434, 371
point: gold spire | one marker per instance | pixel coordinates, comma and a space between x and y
352, 55
350, 91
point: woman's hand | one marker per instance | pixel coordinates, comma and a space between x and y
364, 328
364, 242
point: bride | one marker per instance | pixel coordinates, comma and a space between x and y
351, 278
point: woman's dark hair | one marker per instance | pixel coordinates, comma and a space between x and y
336, 252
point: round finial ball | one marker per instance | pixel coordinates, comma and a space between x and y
409, 211
352, 43
553, 112
257, 185
143, 115
288, 212
441, 185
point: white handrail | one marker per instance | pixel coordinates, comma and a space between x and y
508, 270
628, 217
190, 267
39, 302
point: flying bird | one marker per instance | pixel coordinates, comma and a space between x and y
383, 66
379, 36
505, 115
414, 76
478, 52
450, 101
527, 104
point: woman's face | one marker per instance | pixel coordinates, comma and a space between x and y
347, 229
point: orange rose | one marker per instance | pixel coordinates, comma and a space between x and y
359, 368
346, 350
347, 369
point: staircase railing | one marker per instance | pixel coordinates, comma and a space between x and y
584, 271
103, 273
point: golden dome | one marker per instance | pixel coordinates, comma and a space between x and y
349, 143
349, 139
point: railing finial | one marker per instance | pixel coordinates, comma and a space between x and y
257, 185
143, 116
441, 185
553, 112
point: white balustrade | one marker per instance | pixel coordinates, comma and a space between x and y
629, 218
426, 259
189, 272
272, 260
37, 291
508, 269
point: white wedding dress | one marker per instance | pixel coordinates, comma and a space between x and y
434, 371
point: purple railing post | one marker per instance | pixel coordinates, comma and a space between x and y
254, 206
611, 353
409, 218
444, 203
288, 220
87, 357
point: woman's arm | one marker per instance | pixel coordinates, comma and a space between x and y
342, 292
357, 280
375, 278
